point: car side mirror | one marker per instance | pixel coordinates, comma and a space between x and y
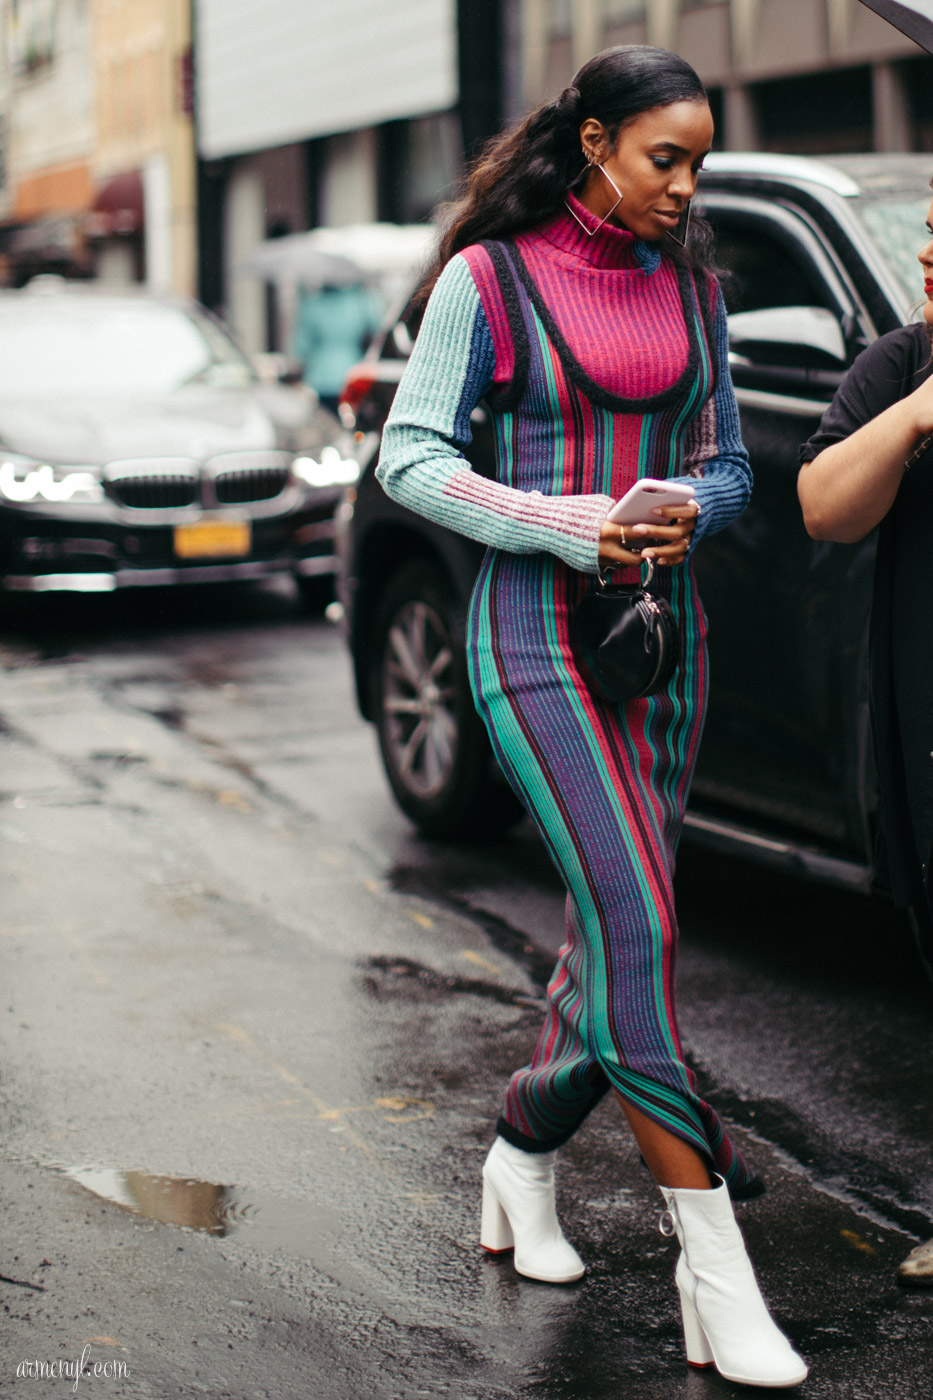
799, 345
809, 337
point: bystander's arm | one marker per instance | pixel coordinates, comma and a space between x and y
850, 486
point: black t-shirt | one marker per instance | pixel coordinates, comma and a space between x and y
885, 373
901, 656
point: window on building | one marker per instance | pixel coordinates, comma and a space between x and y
825, 113
918, 82
623, 11
418, 166
432, 164
719, 120
560, 20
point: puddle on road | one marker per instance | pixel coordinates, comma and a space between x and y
209, 1208
330, 1240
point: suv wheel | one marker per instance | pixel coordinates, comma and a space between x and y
434, 747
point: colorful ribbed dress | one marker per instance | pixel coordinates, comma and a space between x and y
601, 362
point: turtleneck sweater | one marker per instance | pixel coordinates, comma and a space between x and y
614, 307
606, 291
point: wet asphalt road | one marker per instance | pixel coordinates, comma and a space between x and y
255, 1032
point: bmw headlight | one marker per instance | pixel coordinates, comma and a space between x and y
22, 480
331, 470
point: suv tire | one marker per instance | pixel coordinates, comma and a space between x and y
434, 747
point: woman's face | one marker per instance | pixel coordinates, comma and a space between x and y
926, 260
654, 163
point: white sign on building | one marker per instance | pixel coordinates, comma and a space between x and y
270, 72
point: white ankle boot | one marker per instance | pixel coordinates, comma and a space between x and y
519, 1212
726, 1320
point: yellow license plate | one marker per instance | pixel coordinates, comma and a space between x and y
213, 539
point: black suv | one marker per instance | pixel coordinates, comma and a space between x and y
822, 259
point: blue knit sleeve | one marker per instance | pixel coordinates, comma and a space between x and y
715, 453
422, 464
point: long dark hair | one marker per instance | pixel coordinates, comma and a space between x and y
521, 176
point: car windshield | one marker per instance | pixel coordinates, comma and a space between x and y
66, 345
898, 226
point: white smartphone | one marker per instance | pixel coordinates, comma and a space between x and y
639, 503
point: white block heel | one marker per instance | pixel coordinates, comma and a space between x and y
699, 1352
495, 1232
519, 1213
726, 1320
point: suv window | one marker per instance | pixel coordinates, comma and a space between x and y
765, 270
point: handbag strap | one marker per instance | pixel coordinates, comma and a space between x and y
644, 584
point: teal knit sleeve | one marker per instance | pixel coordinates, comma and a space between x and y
715, 453
422, 464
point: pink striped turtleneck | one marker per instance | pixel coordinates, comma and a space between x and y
615, 300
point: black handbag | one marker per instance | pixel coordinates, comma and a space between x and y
626, 640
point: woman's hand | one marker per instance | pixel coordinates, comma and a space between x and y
627, 546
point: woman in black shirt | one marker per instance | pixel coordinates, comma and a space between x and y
871, 463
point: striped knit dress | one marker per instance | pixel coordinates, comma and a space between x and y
602, 362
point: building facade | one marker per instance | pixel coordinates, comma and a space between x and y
144, 214
48, 134
97, 141
802, 76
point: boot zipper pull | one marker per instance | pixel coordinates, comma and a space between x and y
667, 1224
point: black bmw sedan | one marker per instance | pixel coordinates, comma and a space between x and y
139, 446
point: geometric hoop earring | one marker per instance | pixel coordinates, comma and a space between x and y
591, 231
683, 227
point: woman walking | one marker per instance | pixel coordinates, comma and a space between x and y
600, 347
855, 476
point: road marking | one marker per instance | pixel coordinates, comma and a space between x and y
234, 1032
480, 961
421, 919
229, 797
401, 1108
857, 1242
424, 1109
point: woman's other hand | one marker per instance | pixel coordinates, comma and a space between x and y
627, 546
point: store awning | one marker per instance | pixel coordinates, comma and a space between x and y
118, 206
